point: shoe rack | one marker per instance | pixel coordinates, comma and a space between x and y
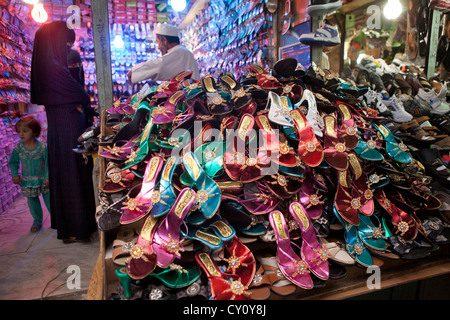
228, 35
9, 192
16, 47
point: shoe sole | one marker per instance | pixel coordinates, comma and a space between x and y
323, 9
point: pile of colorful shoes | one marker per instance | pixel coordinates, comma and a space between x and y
233, 189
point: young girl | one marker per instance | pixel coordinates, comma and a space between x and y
33, 181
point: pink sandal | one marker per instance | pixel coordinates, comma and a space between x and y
291, 265
167, 236
314, 253
139, 206
166, 113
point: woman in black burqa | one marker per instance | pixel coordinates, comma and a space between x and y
72, 200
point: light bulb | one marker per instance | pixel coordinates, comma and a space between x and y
38, 13
178, 5
30, 1
118, 42
392, 9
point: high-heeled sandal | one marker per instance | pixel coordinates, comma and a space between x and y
139, 206
168, 88
134, 126
291, 265
346, 205
208, 192
163, 196
367, 147
211, 156
192, 88
120, 150
234, 156
354, 245
175, 276
313, 252
242, 220
335, 152
117, 180
292, 90
141, 152
310, 198
360, 187
217, 100
220, 227
347, 131
167, 244
276, 145
240, 259
279, 108
205, 237
371, 235
396, 149
403, 223
283, 186
310, 149
142, 260
221, 288
309, 107
239, 96
264, 79
166, 112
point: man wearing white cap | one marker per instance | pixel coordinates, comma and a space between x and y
175, 58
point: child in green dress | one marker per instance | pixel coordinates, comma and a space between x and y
32, 155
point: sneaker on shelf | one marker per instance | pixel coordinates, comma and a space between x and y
385, 68
326, 35
374, 100
441, 5
414, 106
323, 7
399, 113
390, 84
429, 97
369, 63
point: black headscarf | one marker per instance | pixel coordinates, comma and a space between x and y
51, 81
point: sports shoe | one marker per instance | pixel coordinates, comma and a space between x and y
323, 7
390, 84
374, 100
399, 113
430, 97
414, 107
326, 35
441, 5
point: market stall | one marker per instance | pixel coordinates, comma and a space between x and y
312, 152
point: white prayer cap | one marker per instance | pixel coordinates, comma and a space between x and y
165, 29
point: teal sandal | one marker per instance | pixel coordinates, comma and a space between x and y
371, 235
395, 148
164, 196
208, 192
354, 245
174, 276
